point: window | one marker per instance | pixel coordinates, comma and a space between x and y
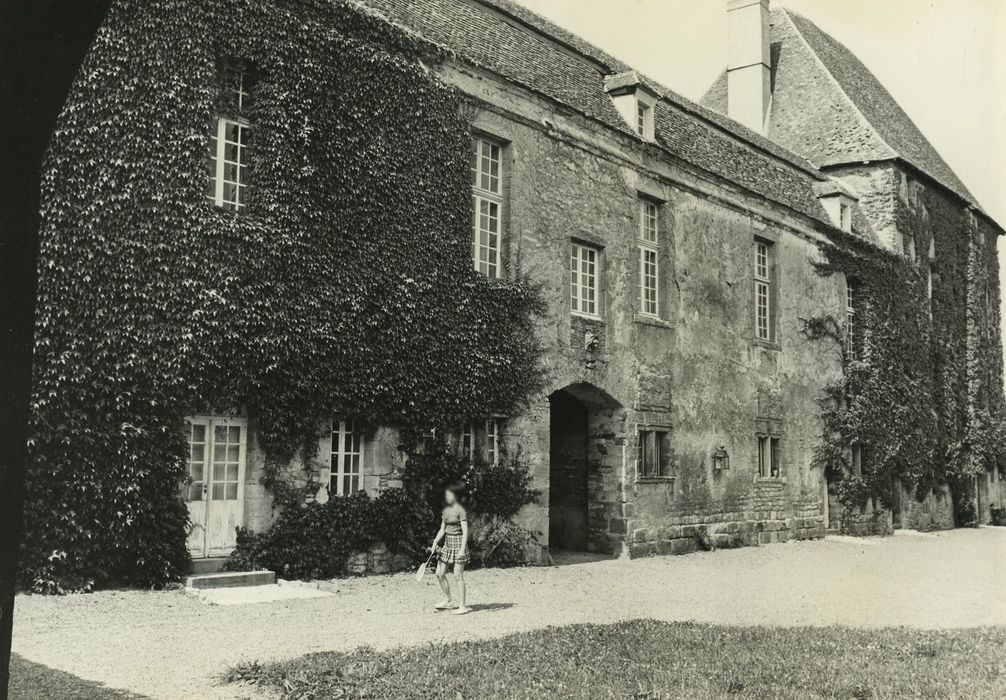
763, 290
641, 111
346, 476
769, 457
845, 216
485, 435
654, 453
197, 461
850, 321
648, 256
583, 279
215, 459
487, 204
228, 173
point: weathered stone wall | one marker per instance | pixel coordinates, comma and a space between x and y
696, 369
934, 512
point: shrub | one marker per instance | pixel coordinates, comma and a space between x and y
314, 540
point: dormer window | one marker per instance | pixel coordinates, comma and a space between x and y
838, 203
634, 101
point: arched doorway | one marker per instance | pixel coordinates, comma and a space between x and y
567, 495
586, 460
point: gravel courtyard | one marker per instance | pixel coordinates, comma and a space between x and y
169, 645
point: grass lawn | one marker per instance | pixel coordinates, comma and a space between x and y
646, 659
31, 681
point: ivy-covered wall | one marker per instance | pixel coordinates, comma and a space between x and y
344, 287
924, 397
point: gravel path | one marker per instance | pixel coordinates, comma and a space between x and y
169, 645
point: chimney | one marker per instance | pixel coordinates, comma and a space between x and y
749, 71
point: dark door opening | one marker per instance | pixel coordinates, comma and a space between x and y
567, 500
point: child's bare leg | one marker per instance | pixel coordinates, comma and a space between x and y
444, 585
459, 580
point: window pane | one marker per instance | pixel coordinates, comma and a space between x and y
217, 492
231, 492
664, 462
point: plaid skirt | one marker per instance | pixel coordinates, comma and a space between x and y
450, 551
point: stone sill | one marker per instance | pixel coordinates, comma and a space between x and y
587, 317
770, 480
654, 321
655, 480
774, 347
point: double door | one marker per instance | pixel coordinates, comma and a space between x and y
215, 489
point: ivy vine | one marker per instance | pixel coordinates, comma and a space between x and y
345, 286
921, 396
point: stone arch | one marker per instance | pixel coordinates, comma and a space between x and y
586, 457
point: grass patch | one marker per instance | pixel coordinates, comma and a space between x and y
29, 680
646, 659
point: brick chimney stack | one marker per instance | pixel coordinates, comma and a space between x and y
749, 71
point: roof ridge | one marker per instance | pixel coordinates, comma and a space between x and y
597, 56
786, 12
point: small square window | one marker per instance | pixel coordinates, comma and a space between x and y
654, 453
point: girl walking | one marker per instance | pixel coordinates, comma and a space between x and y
453, 527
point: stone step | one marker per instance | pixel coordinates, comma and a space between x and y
832, 532
231, 579
212, 565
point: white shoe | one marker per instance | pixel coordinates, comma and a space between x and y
462, 611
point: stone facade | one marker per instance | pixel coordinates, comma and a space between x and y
696, 370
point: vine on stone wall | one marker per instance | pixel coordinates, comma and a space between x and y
345, 287
923, 396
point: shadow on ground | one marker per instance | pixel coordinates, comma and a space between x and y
490, 607
32, 681
561, 557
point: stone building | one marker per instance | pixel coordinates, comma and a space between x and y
674, 244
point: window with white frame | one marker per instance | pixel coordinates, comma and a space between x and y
769, 457
845, 216
649, 284
644, 124
850, 320
654, 453
583, 272
228, 172
346, 476
763, 290
482, 438
487, 205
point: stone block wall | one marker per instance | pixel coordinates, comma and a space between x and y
763, 516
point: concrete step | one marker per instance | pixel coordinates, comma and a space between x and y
213, 565
231, 579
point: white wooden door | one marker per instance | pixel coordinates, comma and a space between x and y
215, 496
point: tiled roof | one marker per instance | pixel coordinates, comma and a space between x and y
829, 107
507, 39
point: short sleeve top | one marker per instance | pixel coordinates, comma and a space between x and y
453, 515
